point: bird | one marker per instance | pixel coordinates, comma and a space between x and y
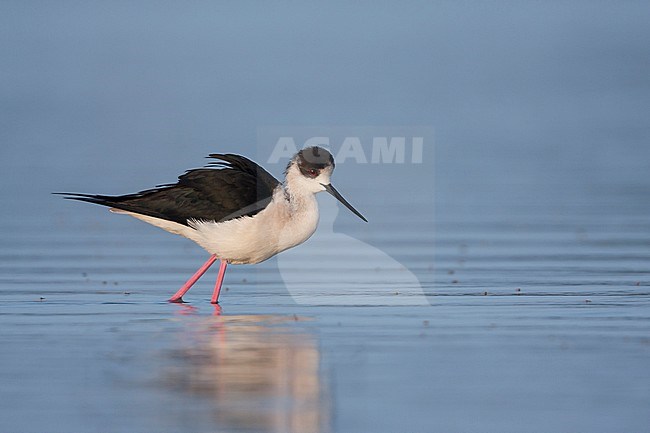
233, 208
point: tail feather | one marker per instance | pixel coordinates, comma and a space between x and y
116, 202
104, 200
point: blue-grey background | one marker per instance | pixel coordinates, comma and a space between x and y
537, 179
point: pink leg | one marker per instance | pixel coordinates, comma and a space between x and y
178, 296
217, 286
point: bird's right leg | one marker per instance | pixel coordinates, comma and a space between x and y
217, 287
178, 296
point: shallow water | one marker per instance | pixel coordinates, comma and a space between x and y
503, 285
531, 328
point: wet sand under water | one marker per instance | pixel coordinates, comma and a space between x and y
541, 328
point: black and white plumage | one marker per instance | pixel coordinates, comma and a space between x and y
239, 187
234, 208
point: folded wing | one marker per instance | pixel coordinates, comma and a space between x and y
230, 188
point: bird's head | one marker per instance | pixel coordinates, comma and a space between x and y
310, 170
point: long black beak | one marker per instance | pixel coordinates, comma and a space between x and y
329, 188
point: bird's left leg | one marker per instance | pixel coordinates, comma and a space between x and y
178, 296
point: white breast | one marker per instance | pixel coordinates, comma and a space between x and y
281, 225
284, 223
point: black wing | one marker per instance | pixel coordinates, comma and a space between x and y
237, 188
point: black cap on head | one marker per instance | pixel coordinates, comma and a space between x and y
311, 160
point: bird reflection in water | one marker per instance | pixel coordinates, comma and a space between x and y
260, 374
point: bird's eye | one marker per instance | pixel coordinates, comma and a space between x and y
313, 172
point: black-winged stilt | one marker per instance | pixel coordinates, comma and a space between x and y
234, 208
